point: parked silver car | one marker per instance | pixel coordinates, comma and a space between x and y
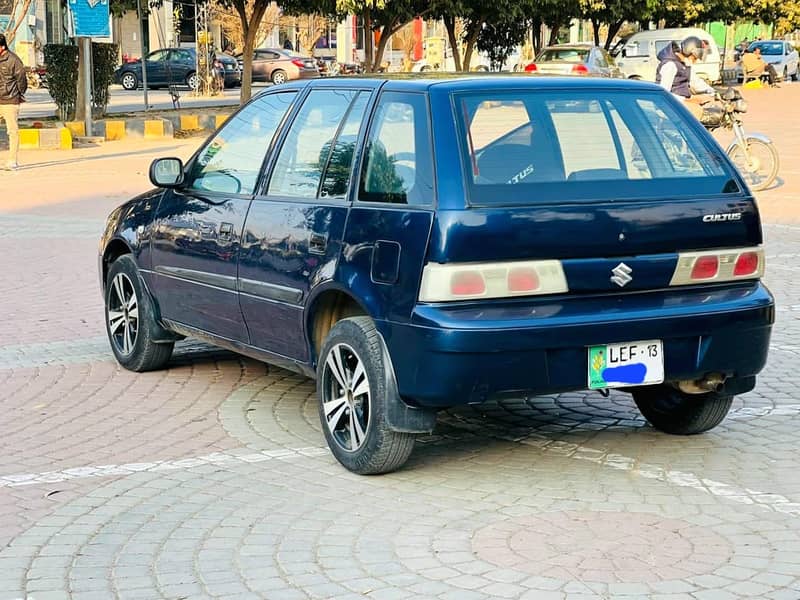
780, 54
574, 59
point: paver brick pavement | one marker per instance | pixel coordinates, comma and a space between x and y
210, 479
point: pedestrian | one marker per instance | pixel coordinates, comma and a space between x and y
287, 45
755, 66
13, 84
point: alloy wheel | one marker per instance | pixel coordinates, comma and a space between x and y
123, 314
346, 397
128, 81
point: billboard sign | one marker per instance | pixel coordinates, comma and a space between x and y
90, 18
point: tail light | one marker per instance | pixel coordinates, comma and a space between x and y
442, 283
580, 69
531, 68
719, 266
298, 63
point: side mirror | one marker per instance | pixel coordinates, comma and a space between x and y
166, 172
624, 53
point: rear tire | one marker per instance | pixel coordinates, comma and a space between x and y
131, 321
672, 411
353, 399
758, 174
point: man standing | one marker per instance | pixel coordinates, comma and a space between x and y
13, 84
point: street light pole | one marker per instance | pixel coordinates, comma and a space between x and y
144, 55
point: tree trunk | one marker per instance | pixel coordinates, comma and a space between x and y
536, 36
596, 31
554, 30
368, 39
23, 18
250, 28
613, 30
472, 38
387, 31
450, 25
247, 66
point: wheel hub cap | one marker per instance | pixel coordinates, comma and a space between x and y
346, 397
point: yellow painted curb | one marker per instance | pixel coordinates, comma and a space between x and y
77, 128
29, 139
115, 130
189, 122
219, 120
153, 129
65, 141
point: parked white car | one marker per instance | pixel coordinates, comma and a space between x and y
638, 57
782, 55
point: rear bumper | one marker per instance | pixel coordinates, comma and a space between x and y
451, 355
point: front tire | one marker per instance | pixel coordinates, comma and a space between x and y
672, 411
353, 399
761, 168
193, 81
129, 81
279, 77
130, 320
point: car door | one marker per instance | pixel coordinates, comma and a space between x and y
181, 63
198, 227
390, 222
292, 238
157, 67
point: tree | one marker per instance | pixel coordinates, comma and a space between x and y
498, 40
615, 13
231, 22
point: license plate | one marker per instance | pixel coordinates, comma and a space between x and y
622, 365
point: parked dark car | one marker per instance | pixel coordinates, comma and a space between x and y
574, 59
175, 66
417, 244
279, 66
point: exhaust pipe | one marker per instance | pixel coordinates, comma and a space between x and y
713, 382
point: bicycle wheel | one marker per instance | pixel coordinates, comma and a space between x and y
759, 165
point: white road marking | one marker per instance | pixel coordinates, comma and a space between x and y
217, 458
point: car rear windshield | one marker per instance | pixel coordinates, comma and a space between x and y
563, 55
522, 147
771, 48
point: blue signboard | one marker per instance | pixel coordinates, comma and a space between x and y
90, 18
5, 21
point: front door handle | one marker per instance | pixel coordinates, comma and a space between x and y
318, 243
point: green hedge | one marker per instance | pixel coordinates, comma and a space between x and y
62, 76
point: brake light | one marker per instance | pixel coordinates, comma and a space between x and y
580, 69
467, 283
298, 63
746, 264
442, 283
522, 279
705, 267
718, 265
531, 68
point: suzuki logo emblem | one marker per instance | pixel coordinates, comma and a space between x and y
621, 275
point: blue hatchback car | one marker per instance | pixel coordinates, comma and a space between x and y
419, 244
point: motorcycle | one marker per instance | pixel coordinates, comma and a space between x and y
754, 154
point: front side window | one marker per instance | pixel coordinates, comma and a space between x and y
231, 162
307, 147
398, 167
538, 146
158, 56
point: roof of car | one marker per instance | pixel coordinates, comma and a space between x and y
453, 82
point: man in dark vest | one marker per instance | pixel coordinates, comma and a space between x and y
674, 74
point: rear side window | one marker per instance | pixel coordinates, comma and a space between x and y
307, 147
583, 145
398, 167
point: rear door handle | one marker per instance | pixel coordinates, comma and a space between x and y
318, 243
